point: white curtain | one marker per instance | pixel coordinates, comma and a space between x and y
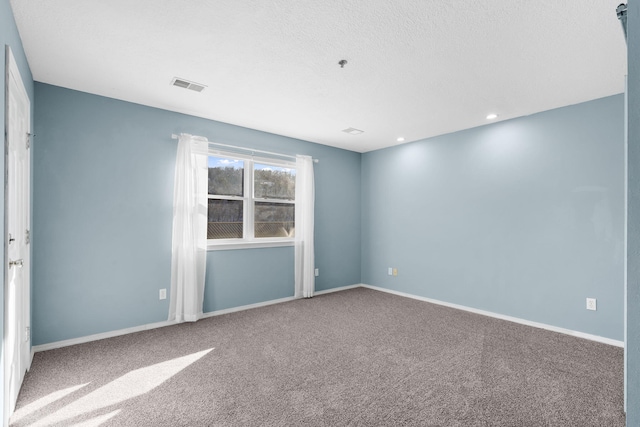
304, 253
189, 247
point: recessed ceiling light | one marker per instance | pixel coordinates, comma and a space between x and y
492, 116
400, 139
353, 131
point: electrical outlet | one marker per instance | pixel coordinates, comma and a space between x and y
591, 304
317, 272
163, 294
395, 271
390, 271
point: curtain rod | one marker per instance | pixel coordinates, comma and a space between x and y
174, 136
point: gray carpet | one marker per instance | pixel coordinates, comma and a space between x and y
357, 357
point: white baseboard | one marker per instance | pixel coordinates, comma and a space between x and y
274, 301
101, 336
247, 307
111, 334
591, 337
341, 288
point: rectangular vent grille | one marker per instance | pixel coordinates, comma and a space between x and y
352, 131
186, 84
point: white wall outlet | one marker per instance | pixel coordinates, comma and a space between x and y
163, 294
317, 272
390, 271
591, 304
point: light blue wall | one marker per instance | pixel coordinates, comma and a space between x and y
103, 199
633, 194
522, 217
268, 275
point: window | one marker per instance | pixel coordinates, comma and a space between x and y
251, 202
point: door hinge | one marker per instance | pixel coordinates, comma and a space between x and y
27, 333
29, 135
27, 237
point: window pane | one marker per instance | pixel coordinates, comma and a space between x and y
226, 176
225, 219
274, 219
274, 182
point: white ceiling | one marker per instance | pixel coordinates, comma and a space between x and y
416, 68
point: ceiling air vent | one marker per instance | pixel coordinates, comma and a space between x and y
352, 131
186, 84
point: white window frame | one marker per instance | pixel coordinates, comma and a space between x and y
248, 212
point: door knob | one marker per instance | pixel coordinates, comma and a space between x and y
16, 263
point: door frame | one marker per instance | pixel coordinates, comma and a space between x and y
12, 72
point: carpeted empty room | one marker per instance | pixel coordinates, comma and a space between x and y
355, 357
320, 213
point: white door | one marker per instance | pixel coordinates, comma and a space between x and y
17, 352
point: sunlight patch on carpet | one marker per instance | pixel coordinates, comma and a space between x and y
97, 421
128, 386
36, 405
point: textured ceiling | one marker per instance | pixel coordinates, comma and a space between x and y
416, 68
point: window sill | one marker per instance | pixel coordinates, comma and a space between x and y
255, 244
